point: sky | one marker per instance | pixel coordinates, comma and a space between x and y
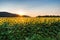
31, 7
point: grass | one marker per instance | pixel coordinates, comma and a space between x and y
21, 28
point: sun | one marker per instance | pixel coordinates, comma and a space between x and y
21, 12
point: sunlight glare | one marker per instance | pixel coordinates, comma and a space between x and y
21, 12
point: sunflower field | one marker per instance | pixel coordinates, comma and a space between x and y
25, 28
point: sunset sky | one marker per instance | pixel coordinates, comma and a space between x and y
31, 7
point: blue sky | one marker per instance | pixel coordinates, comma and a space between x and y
31, 7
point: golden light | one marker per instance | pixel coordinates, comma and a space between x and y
21, 12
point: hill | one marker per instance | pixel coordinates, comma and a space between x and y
7, 14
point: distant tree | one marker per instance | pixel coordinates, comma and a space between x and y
48, 16
25, 16
38, 16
